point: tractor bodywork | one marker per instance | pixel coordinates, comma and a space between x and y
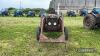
92, 20
83, 12
5, 12
71, 14
31, 14
18, 13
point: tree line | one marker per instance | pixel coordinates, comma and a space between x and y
25, 10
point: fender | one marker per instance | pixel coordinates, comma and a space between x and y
92, 14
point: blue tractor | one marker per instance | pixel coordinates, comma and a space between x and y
42, 13
4, 12
92, 20
83, 12
71, 14
18, 13
31, 14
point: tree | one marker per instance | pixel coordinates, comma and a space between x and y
26, 10
11, 8
37, 10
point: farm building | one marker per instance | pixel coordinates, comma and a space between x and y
74, 5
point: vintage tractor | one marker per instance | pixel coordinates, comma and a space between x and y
71, 14
42, 13
18, 13
92, 20
31, 14
83, 12
5, 12
52, 28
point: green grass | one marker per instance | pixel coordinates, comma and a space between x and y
18, 38
53, 35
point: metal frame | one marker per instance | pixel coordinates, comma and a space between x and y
43, 38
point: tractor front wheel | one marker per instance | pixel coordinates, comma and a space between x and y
66, 33
38, 33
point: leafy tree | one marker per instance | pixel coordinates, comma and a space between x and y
26, 10
37, 10
11, 8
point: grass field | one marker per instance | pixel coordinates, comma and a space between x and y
18, 38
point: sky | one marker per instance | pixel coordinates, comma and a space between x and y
25, 3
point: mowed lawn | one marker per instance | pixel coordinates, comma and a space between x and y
18, 38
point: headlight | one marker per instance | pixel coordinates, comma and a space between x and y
49, 23
54, 23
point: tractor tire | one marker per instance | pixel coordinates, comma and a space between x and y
98, 20
89, 21
66, 33
38, 33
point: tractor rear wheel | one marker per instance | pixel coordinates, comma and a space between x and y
38, 33
66, 33
89, 21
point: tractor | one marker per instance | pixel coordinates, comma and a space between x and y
5, 12
18, 13
71, 13
52, 23
31, 14
83, 12
92, 20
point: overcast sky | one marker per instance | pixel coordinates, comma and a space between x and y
25, 3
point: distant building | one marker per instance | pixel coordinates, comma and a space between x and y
75, 5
